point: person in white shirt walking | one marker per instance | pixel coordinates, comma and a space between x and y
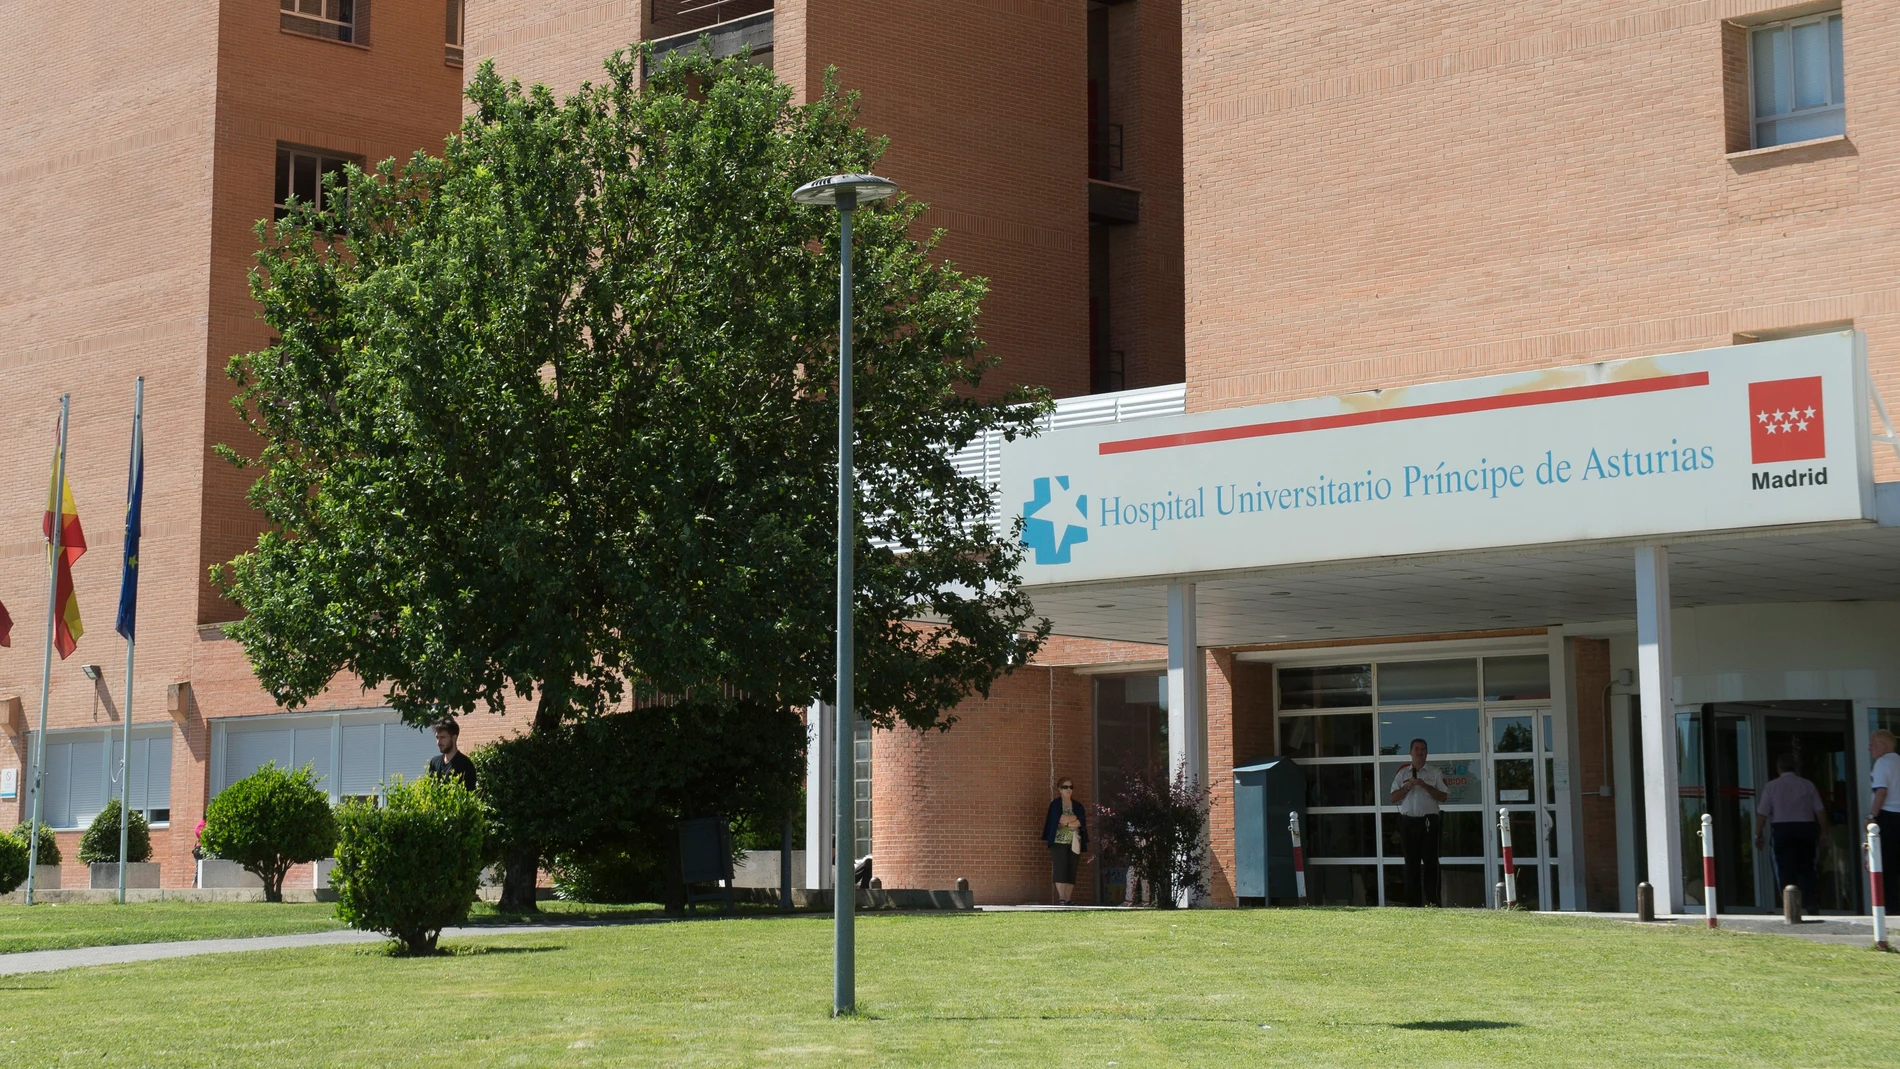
1789, 809
1417, 790
1886, 807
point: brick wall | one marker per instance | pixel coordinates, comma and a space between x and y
970, 802
1598, 829
1443, 190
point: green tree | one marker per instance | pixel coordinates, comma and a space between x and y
409, 867
553, 417
101, 840
268, 821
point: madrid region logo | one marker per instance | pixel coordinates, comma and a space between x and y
1785, 421
1039, 532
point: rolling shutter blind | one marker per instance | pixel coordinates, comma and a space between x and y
312, 747
362, 769
247, 751
88, 781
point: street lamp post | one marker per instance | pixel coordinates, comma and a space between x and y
844, 192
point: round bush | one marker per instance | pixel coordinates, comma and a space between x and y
268, 821
12, 863
101, 841
49, 846
410, 868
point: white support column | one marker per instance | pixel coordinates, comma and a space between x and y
1656, 674
821, 792
1187, 690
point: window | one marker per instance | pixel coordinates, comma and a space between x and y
452, 54
1350, 747
337, 20
860, 789
300, 174
1796, 84
352, 754
82, 775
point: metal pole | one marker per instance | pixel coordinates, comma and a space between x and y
844, 998
1299, 858
46, 670
1708, 868
1876, 886
125, 750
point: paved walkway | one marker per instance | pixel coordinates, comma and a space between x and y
1858, 931
54, 960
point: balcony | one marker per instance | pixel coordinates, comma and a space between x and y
674, 17
732, 25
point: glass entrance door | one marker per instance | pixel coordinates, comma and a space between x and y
1726, 754
1518, 753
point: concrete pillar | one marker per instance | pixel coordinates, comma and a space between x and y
821, 792
1187, 687
1656, 673
1187, 692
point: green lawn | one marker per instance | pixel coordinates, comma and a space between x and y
61, 927
1324, 987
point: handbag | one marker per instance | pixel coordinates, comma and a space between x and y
1075, 835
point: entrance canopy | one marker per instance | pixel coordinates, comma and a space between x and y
1494, 590
1484, 504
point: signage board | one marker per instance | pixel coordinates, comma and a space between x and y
1744, 436
9, 784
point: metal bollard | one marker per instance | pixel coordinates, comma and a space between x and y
1510, 861
1645, 902
1497, 893
1791, 904
1299, 858
1876, 886
1708, 868
962, 884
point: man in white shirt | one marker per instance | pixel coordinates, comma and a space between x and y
1886, 807
1417, 790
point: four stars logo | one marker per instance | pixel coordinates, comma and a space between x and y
1040, 534
1785, 421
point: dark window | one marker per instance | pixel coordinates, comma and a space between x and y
336, 20
301, 174
1332, 687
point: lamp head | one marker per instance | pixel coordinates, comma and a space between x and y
90, 671
856, 189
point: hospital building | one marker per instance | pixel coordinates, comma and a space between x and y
1514, 376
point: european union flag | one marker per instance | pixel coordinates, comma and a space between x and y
134, 497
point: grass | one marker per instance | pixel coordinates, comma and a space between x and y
64, 927
1318, 987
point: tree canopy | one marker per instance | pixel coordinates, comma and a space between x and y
553, 416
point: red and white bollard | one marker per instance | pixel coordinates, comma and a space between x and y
1299, 857
1876, 886
1708, 868
1510, 860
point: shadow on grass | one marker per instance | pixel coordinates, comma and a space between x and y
479, 949
1456, 1026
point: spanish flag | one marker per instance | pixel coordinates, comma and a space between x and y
72, 546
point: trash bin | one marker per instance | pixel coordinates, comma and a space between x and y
1264, 794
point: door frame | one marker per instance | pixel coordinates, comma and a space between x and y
1542, 755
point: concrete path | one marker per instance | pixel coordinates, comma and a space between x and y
54, 960
1857, 931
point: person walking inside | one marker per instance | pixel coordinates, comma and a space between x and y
451, 761
1885, 810
1067, 834
1417, 790
1791, 810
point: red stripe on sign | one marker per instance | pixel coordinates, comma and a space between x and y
1560, 395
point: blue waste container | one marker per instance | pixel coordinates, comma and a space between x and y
1264, 794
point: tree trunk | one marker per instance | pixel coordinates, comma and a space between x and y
521, 866
519, 871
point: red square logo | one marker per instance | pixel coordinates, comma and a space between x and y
1784, 421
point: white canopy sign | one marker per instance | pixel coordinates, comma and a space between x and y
1739, 437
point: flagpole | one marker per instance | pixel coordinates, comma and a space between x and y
133, 480
46, 671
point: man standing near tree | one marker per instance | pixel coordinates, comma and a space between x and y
451, 761
1417, 790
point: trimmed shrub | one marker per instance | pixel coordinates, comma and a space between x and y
410, 868
49, 846
608, 875
12, 863
268, 821
101, 841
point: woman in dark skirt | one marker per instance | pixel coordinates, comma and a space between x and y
1067, 833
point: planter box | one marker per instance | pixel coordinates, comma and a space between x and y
105, 875
214, 872
45, 878
760, 869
